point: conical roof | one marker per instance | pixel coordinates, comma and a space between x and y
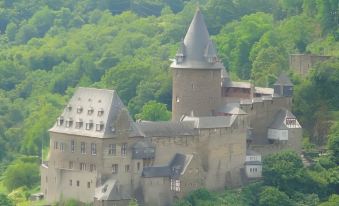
199, 51
283, 80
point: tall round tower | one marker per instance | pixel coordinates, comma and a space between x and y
196, 73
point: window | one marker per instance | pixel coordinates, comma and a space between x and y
78, 124
60, 121
70, 182
62, 147
79, 109
69, 122
69, 107
93, 149
83, 148
88, 185
56, 145
89, 125
92, 167
82, 166
72, 145
126, 168
138, 166
90, 111
124, 149
175, 185
70, 165
100, 112
112, 149
99, 126
115, 168
78, 183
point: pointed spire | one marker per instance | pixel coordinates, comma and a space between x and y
197, 49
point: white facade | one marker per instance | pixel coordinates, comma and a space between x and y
254, 171
277, 134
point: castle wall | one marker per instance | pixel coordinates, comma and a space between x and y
196, 90
157, 191
302, 63
261, 115
222, 152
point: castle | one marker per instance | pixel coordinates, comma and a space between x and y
219, 130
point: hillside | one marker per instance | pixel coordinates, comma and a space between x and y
48, 48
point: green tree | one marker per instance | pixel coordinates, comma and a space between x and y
133, 202
271, 196
333, 142
154, 111
283, 170
21, 173
5, 201
332, 201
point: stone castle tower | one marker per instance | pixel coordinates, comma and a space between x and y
196, 73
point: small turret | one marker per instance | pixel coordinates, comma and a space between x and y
283, 86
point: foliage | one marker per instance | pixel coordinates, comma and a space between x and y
5, 201
154, 111
22, 172
283, 170
271, 196
332, 201
133, 202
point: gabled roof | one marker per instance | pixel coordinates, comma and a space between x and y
283, 80
107, 191
174, 169
197, 47
279, 119
91, 99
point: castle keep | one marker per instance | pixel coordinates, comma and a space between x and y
219, 130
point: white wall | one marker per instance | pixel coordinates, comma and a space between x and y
277, 134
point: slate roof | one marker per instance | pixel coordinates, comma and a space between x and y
85, 99
176, 167
211, 122
163, 171
279, 119
283, 80
107, 192
166, 129
253, 163
197, 47
231, 108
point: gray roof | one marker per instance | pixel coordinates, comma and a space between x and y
176, 167
237, 84
231, 108
251, 153
108, 191
163, 171
85, 99
197, 47
279, 119
283, 80
166, 129
211, 121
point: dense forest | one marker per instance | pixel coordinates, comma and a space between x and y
50, 47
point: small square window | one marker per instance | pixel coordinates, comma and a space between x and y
100, 112
79, 109
88, 184
115, 168
89, 125
90, 110
78, 183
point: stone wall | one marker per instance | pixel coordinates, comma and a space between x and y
302, 63
196, 90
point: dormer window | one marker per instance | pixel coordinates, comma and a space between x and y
60, 121
212, 59
69, 122
292, 123
78, 123
89, 125
179, 58
90, 111
99, 126
69, 107
100, 112
79, 109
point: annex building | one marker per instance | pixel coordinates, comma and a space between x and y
219, 131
